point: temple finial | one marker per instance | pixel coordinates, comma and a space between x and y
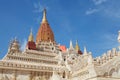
44, 16
31, 38
77, 46
85, 51
71, 45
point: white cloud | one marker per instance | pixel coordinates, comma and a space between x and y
24, 43
91, 11
112, 12
110, 41
96, 8
98, 2
38, 7
109, 9
110, 37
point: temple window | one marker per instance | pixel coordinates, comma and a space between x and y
111, 72
48, 38
64, 74
64, 59
52, 48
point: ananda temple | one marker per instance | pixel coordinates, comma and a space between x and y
45, 59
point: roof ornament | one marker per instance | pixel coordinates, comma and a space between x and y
77, 46
31, 38
85, 51
44, 20
71, 45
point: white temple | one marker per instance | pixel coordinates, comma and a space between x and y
44, 59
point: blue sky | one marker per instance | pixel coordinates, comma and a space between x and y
94, 23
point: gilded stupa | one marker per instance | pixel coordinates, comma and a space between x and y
45, 33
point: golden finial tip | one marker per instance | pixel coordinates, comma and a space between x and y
44, 16
77, 46
31, 38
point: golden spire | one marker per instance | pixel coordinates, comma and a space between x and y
45, 32
77, 46
31, 38
44, 16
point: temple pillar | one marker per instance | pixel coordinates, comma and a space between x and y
31, 76
14, 75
